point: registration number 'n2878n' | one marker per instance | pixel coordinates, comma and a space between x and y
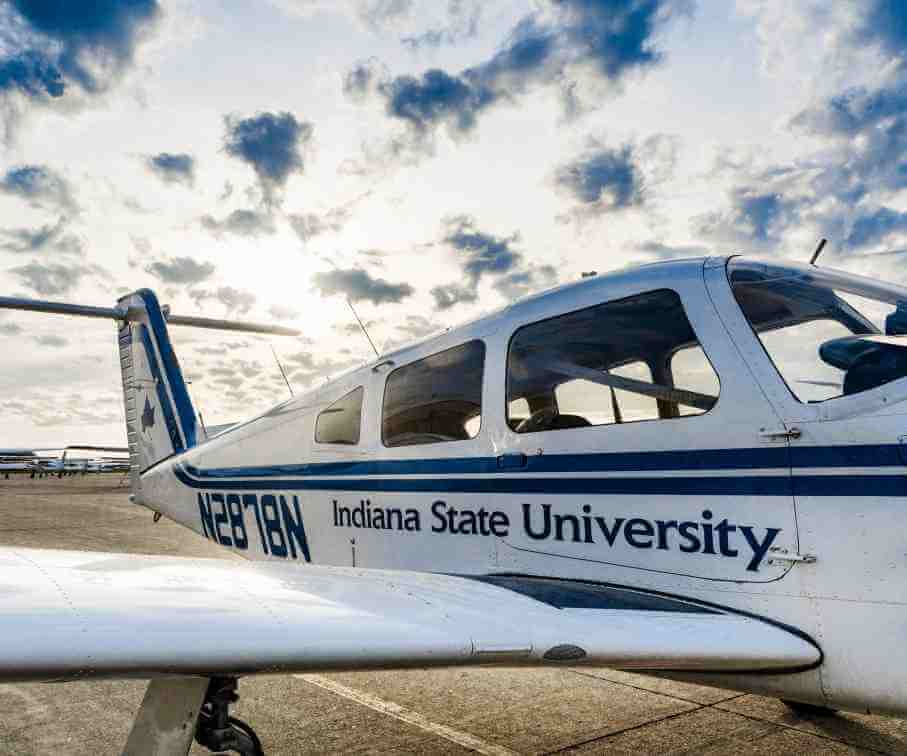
242, 521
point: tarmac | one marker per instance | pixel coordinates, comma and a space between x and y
489, 711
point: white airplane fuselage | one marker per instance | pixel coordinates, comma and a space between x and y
791, 511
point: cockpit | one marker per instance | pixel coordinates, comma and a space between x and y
828, 333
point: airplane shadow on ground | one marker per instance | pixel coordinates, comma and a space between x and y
843, 727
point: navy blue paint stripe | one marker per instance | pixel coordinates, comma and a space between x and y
452, 466
171, 366
754, 485
857, 455
703, 460
742, 485
162, 398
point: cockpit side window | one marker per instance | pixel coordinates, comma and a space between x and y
823, 329
435, 399
340, 422
613, 363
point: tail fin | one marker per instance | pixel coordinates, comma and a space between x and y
160, 418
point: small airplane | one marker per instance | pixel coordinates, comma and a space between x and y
693, 468
16, 464
36, 462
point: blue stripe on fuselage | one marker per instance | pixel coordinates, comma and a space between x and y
738, 485
754, 485
704, 460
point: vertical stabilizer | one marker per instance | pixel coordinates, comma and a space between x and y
160, 419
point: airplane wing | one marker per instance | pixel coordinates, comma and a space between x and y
73, 615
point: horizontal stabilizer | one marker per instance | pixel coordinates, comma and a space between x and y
77, 615
124, 314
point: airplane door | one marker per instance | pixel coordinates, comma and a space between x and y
677, 466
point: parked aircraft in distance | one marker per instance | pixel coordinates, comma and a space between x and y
693, 468
37, 462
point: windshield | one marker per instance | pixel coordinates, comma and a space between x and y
822, 328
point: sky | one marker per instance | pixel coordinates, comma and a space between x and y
427, 160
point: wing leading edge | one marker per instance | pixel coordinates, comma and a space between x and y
75, 615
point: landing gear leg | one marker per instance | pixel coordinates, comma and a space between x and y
217, 730
165, 722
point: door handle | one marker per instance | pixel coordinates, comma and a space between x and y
790, 434
512, 461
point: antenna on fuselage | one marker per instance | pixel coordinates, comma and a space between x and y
362, 326
282, 371
822, 243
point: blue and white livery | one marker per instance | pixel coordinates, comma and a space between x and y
697, 468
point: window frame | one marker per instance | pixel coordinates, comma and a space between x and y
508, 398
361, 389
482, 387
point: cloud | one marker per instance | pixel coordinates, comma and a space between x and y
375, 15
304, 369
417, 327
309, 225
884, 22
662, 251
602, 179
449, 295
54, 49
49, 279
31, 74
602, 39
871, 227
463, 18
869, 128
478, 252
234, 300
757, 217
412, 328
358, 285
181, 270
271, 143
379, 14
50, 237
281, 312
172, 168
435, 98
40, 187
364, 78
846, 190
248, 223
520, 283
853, 112
93, 42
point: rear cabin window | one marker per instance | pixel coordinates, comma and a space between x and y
623, 361
436, 399
340, 422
